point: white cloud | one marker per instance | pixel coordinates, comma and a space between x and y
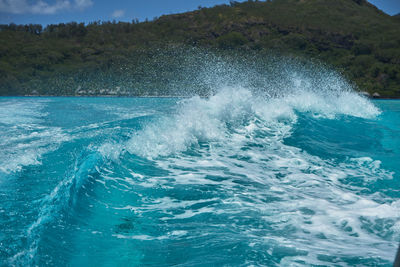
13, 6
118, 13
41, 6
82, 4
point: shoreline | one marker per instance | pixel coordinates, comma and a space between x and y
101, 96
159, 96
172, 96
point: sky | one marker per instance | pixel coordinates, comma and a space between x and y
58, 11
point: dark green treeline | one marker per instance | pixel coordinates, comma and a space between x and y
120, 58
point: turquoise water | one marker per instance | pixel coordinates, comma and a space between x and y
236, 179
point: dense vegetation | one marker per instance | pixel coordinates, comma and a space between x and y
353, 36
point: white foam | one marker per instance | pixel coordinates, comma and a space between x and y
24, 137
311, 197
25, 149
15, 112
329, 106
173, 234
238, 110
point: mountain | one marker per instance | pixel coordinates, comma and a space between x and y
352, 36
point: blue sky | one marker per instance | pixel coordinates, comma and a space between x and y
57, 11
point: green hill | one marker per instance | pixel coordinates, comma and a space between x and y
352, 36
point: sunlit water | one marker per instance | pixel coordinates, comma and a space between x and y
233, 179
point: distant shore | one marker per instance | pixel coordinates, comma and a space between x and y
171, 96
114, 96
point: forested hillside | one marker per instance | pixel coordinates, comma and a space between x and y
352, 36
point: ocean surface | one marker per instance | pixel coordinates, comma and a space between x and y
235, 179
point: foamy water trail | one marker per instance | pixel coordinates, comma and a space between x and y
61, 198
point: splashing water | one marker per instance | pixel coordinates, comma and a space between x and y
236, 112
302, 172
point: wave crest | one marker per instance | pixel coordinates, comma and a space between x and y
237, 111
